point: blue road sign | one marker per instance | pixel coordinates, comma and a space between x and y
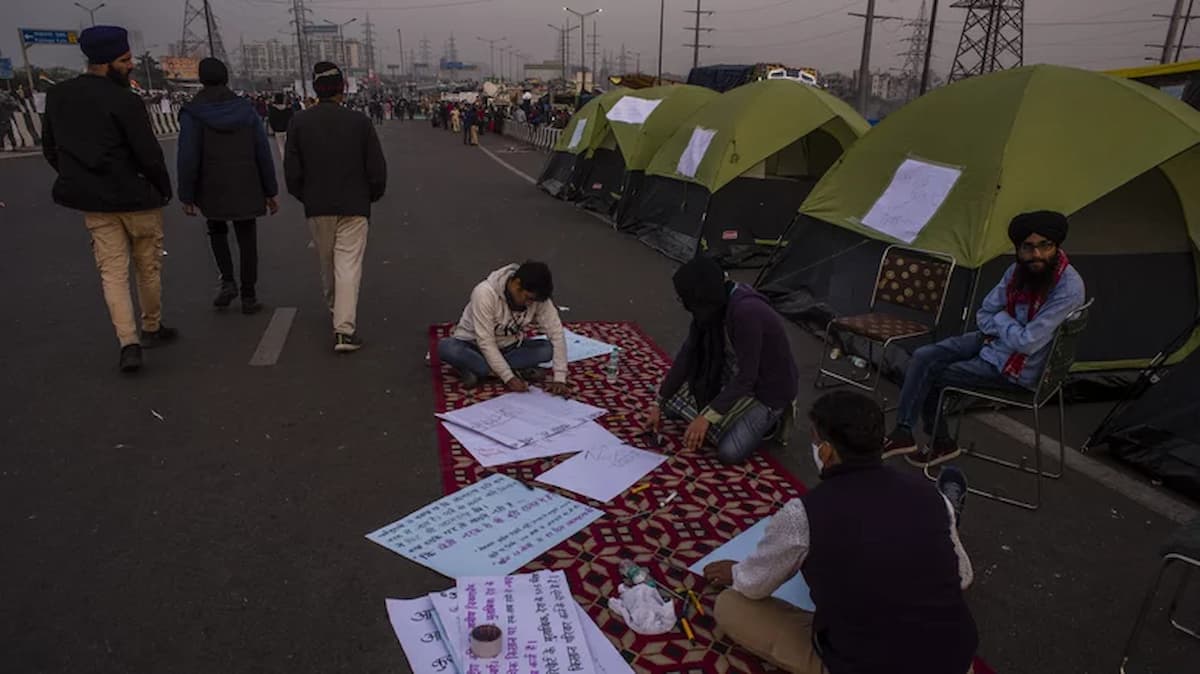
6, 72
42, 36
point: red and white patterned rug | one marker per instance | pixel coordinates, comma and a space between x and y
714, 503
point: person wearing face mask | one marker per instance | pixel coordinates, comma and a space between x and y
1016, 324
734, 379
97, 137
489, 338
880, 552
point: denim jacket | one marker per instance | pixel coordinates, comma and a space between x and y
1017, 334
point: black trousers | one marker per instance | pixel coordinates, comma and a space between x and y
246, 232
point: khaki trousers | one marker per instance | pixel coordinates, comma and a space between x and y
341, 242
114, 237
773, 630
281, 143
474, 134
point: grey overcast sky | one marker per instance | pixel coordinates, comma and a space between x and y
1094, 34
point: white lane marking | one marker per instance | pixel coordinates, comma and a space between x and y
528, 178
274, 337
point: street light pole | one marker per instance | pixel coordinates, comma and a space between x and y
929, 49
91, 10
491, 52
583, 47
662, 8
340, 47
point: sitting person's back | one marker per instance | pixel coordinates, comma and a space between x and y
884, 574
880, 552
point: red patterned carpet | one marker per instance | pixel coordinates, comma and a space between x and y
715, 502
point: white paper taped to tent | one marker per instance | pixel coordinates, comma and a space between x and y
693, 154
577, 135
911, 199
632, 110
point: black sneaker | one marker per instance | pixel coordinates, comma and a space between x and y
940, 450
899, 442
953, 484
160, 337
251, 305
131, 357
226, 295
346, 343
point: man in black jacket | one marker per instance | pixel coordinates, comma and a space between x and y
226, 169
97, 136
335, 167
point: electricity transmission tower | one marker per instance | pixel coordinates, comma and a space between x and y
993, 37
914, 55
201, 35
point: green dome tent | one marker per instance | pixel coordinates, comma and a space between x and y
730, 178
950, 170
639, 122
585, 132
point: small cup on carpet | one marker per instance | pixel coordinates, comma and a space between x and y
486, 641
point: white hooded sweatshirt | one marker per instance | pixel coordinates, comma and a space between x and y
490, 324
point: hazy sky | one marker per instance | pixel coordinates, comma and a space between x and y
1094, 34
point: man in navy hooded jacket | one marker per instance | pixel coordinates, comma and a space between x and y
227, 173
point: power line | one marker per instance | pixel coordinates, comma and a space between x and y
803, 19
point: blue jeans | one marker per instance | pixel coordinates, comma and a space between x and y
466, 356
951, 362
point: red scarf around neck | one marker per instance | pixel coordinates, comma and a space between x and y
1016, 293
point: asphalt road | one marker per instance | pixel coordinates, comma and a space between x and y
228, 536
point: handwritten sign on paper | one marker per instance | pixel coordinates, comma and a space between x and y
519, 419
580, 347
602, 472
912, 198
423, 642
693, 154
738, 548
494, 526
539, 619
490, 453
577, 134
632, 110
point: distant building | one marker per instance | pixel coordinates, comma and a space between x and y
544, 71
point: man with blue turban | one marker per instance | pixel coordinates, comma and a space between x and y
98, 137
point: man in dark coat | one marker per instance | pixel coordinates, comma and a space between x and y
98, 137
226, 171
335, 166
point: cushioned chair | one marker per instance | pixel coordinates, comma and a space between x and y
910, 279
1049, 387
1182, 548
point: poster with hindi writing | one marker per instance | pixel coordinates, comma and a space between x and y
539, 621
494, 526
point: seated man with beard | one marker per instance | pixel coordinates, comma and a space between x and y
1016, 322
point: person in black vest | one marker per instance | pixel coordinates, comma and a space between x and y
227, 173
880, 552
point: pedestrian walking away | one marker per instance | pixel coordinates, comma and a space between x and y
279, 116
335, 167
110, 166
227, 174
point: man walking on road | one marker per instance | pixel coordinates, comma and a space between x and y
226, 169
335, 167
110, 166
280, 115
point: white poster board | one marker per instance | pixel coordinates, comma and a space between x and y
519, 419
539, 618
602, 472
577, 134
494, 526
693, 154
580, 347
632, 110
423, 641
490, 453
912, 198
